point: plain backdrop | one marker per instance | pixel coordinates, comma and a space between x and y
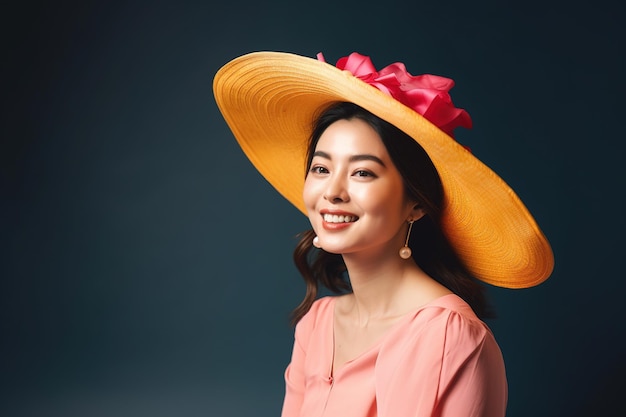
146, 266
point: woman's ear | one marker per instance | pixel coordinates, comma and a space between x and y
417, 212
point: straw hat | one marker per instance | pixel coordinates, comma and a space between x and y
269, 100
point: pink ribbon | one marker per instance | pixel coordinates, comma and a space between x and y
426, 94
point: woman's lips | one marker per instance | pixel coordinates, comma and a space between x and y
337, 221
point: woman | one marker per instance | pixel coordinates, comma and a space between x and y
404, 220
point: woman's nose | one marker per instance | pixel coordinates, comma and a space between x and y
336, 191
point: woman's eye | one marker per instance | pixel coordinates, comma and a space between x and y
363, 173
318, 170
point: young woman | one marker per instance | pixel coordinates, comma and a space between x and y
404, 222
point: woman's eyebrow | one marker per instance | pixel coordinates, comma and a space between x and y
367, 157
353, 158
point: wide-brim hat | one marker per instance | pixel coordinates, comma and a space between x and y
269, 101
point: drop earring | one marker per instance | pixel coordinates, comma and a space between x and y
405, 251
316, 242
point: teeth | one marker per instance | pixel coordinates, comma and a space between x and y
333, 218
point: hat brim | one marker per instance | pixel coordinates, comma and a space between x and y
269, 101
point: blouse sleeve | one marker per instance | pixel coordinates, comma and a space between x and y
294, 380
294, 374
449, 367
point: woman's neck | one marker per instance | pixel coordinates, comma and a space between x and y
378, 285
386, 287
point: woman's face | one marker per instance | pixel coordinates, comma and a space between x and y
354, 194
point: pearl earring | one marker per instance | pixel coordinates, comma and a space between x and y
405, 251
316, 242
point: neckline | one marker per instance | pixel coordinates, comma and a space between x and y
334, 371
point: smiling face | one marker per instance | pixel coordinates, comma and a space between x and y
353, 192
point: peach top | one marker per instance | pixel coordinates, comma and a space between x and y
439, 360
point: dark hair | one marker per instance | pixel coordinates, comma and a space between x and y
430, 248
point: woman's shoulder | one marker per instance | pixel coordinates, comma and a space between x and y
446, 325
446, 305
449, 317
320, 311
317, 321
442, 352
323, 305
452, 320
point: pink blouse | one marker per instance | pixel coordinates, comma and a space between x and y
439, 360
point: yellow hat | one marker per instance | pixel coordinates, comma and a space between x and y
269, 101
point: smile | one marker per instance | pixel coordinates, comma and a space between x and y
334, 218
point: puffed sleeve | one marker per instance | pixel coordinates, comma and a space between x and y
449, 366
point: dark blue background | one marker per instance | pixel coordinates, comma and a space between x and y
146, 266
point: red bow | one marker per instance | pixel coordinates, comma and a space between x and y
426, 94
